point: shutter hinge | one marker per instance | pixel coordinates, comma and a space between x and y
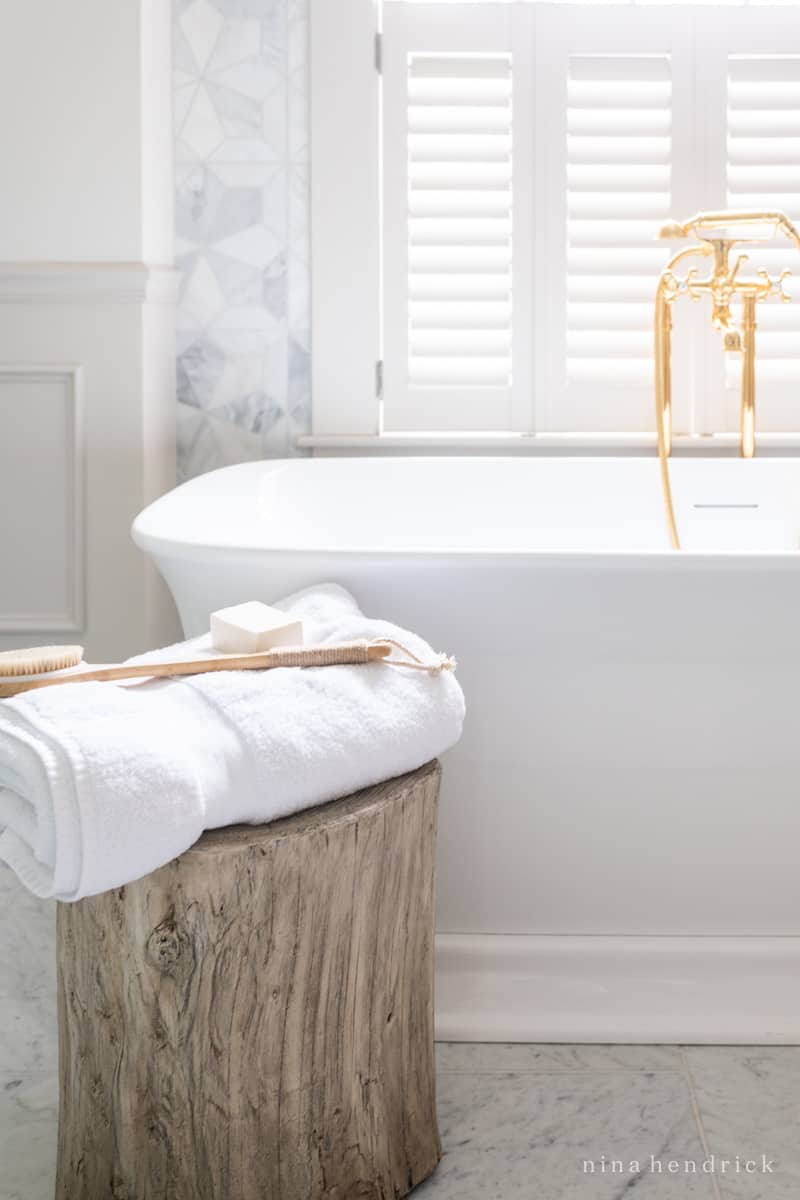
379, 53
379, 379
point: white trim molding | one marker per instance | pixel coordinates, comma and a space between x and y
82, 283
73, 619
545, 443
345, 216
503, 988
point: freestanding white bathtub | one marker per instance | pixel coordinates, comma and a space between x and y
620, 826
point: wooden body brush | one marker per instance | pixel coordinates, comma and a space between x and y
54, 658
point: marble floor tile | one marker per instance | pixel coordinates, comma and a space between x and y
28, 1034
519, 1056
748, 1098
28, 1131
521, 1122
516, 1136
28, 1029
27, 930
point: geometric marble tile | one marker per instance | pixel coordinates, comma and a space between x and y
201, 130
253, 244
201, 24
297, 77
200, 365
209, 442
202, 298
516, 1136
749, 1103
240, 115
241, 223
239, 41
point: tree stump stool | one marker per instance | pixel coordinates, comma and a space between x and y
254, 1021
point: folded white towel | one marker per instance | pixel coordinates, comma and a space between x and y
100, 783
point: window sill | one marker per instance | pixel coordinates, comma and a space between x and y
541, 443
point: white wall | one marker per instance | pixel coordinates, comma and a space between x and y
86, 130
76, 185
87, 377
86, 318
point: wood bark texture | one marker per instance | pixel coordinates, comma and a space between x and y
254, 1021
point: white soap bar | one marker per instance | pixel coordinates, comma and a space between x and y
253, 627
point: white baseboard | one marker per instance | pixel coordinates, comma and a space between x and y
736, 990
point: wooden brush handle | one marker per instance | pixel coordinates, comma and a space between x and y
290, 656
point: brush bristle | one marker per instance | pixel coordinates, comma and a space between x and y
38, 660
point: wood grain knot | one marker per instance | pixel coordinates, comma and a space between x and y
166, 946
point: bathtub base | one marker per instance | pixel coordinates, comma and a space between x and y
617, 851
725, 990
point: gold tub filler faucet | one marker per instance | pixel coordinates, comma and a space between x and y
715, 235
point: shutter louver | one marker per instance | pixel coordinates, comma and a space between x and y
530, 155
763, 171
618, 166
459, 220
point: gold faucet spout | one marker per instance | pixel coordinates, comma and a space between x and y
715, 234
722, 322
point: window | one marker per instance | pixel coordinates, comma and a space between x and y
486, 191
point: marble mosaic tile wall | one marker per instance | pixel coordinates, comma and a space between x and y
241, 178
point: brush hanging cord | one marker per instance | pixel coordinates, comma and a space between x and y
444, 662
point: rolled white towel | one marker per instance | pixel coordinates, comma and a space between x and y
100, 784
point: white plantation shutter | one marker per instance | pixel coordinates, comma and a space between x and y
459, 227
457, 281
615, 178
763, 171
530, 153
619, 154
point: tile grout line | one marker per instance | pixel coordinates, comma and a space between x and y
701, 1129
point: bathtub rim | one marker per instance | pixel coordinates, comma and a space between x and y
771, 560
183, 548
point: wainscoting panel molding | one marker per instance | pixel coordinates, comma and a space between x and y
42, 531
82, 450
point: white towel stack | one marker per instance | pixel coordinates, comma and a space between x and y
100, 784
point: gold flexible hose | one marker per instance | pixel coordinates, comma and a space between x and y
663, 359
662, 341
